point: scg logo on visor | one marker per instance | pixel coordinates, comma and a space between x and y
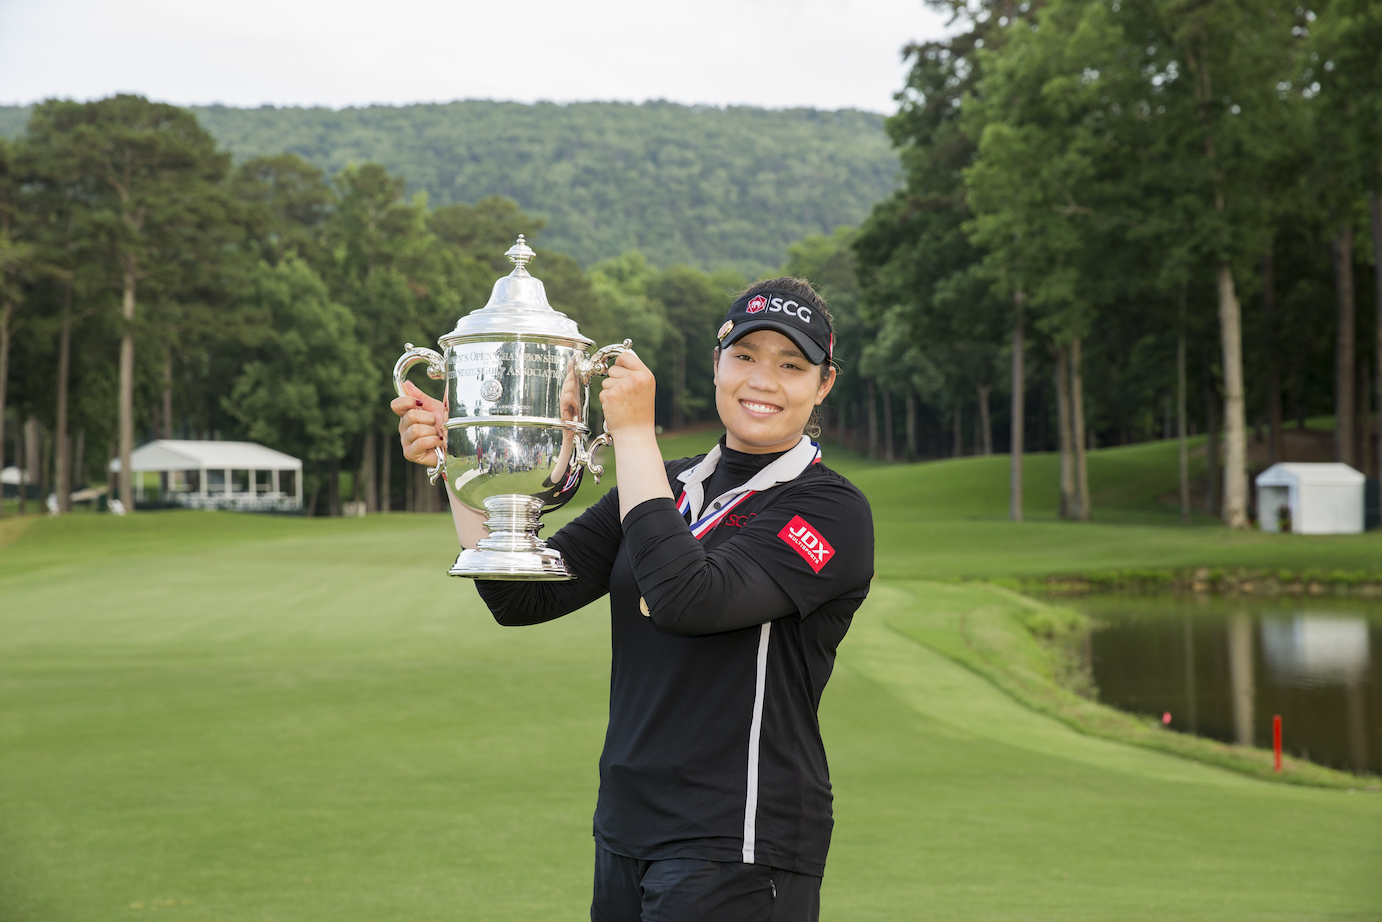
790, 308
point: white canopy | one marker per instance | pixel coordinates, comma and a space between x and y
220, 475
189, 455
1318, 499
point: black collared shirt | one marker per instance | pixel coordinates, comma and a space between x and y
713, 749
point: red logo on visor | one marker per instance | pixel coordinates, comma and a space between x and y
756, 304
808, 542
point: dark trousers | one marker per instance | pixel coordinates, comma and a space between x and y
692, 890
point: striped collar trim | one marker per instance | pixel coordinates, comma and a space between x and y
785, 469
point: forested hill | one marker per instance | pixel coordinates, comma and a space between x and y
701, 185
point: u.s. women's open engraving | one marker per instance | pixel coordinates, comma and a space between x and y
525, 376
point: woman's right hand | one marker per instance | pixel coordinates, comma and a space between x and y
421, 424
422, 430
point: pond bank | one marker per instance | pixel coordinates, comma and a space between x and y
1214, 580
1032, 650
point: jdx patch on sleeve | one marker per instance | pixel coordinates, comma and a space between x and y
808, 542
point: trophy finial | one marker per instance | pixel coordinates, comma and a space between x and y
520, 254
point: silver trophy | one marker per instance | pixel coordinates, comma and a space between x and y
518, 379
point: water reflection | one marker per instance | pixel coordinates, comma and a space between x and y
1316, 650
1240, 676
1223, 667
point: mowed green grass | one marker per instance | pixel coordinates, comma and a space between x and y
212, 716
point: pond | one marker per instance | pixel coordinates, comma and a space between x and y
1223, 667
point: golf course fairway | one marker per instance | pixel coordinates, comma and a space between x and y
230, 717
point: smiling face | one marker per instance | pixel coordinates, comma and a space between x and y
765, 390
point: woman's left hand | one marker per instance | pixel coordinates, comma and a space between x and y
629, 395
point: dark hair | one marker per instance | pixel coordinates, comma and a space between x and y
799, 288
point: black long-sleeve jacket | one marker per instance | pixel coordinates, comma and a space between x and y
713, 749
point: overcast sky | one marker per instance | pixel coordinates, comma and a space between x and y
777, 53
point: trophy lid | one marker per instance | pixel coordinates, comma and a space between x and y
517, 307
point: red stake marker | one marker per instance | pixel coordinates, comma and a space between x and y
1276, 740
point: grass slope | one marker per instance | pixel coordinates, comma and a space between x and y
215, 716
212, 716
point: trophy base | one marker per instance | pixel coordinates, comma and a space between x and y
544, 563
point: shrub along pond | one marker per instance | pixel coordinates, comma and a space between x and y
1222, 667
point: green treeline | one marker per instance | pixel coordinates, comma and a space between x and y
153, 289
1153, 217
1118, 222
709, 187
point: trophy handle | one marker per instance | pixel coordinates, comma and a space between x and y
597, 364
436, 370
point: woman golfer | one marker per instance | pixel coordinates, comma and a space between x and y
732, 579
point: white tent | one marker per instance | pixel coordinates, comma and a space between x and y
205, 475
1323, 499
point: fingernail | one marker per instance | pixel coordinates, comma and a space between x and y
418, 402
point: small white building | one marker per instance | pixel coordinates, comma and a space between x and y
1322, 499
219, 475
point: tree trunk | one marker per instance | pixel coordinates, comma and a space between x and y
45, 465
1375, 211
1077, 431
1184, 446
79, 462
1067, 468
957, 446
63, 476
911, 425
1235, 507
21, 461
984, 437
368, 474
1016, 432
887, 423
1276, 447
168, 395
873, 421
333, 495
1211, 444
126, 431
1344, 371
385, 472
33, 459
6, 312
1235, 504
311, 509
1364, 419
357, 486
409, 488
679, 389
